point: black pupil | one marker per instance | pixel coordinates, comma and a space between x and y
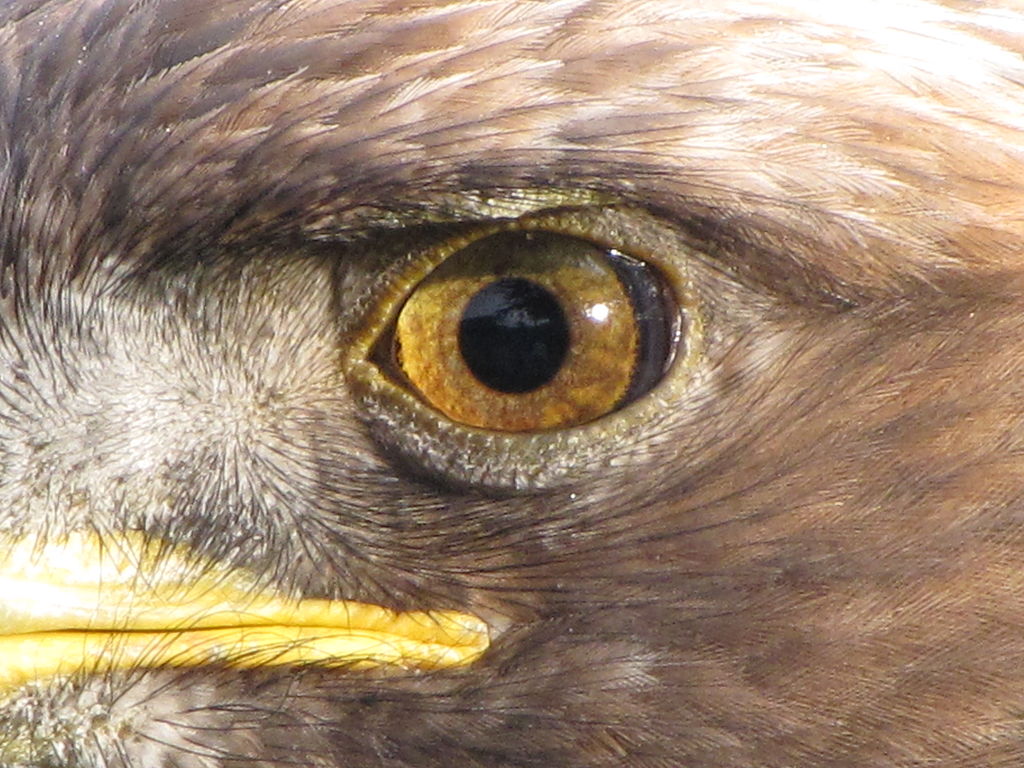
514, 335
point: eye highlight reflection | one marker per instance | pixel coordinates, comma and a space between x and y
523, 331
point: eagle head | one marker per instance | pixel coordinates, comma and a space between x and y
509, 383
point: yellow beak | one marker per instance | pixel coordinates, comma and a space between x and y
85, 603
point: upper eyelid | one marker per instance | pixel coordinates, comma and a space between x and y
675, 235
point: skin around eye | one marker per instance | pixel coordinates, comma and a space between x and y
526, 331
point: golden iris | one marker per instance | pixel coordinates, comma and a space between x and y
528, 330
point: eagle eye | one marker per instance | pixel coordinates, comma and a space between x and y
521, 331
521, 354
